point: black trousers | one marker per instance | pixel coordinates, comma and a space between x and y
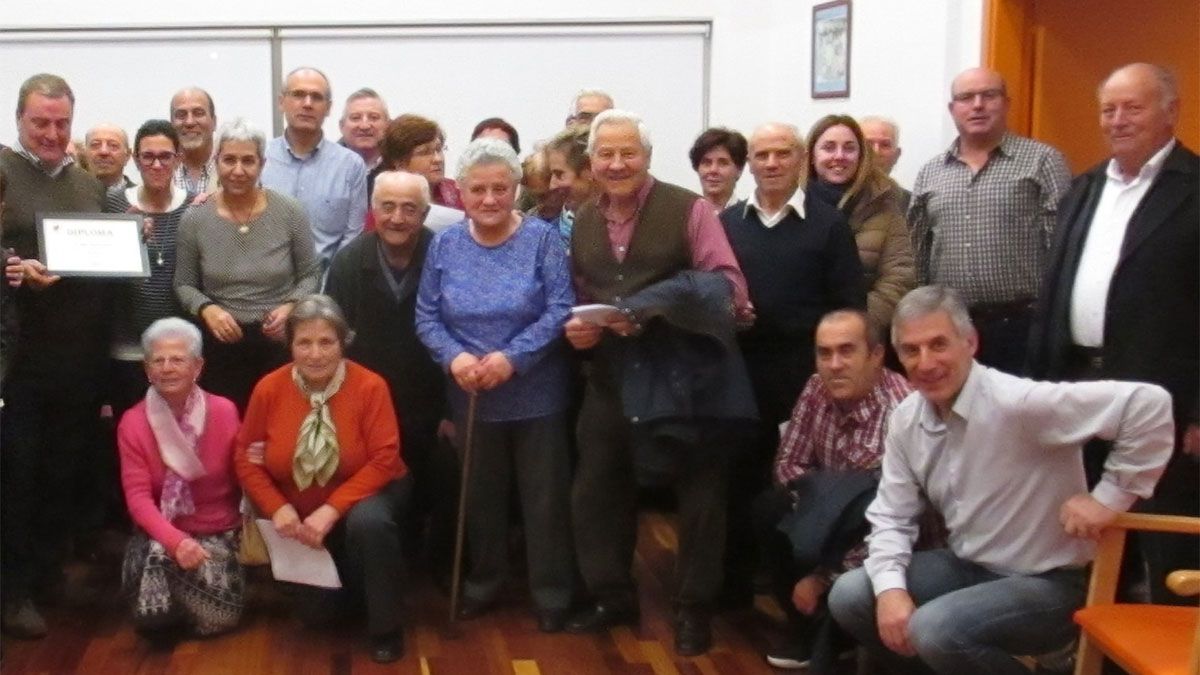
1003, 338
232, 370
603, 502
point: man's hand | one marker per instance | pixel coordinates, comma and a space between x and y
37, 276
807, 593
14, 271
190, 554
1191, 440
582, 334
221, 324
287, 522
318, 524
494, 370
1082, 516
464, 369
893, 609
744, 316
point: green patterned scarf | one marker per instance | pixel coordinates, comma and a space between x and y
317, 445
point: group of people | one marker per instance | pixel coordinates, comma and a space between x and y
592, 329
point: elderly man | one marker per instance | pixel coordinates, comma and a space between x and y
195, 117
800, 261
834, 440
50, 394
107, 149
643, 231
1121, 298
363, 122
982, 215
883, 135
374, 279
999, 458
587, 104
327, 179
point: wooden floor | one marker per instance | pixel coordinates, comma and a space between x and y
99, 640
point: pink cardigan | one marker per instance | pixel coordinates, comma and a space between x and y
216, 494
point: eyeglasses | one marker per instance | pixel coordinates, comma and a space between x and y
164, 361
300, 95
148, 159
988, 95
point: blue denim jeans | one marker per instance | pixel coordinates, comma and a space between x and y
968, 619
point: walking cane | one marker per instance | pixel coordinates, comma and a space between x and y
456, 575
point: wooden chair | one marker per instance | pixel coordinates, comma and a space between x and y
1142, 639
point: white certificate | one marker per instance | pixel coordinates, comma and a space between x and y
296, 562
93, 244
600, 315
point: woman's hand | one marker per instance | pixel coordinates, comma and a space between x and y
463, 368
494, 370
276, 320
190, 554
318, 524
37, 275
582, 334
221, 324
287, 522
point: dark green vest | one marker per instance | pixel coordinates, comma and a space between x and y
658, 250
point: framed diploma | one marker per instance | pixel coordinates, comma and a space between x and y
93, 244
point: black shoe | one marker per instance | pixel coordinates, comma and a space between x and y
471, 608
552, 620
693, 632
603, 615
792, 655
387, 648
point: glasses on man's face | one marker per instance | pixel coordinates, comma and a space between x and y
988, 95
148, 159
300, 95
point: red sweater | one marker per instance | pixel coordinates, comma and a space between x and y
368, 439
215, 494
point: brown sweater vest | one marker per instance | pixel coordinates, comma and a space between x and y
28, 191
658, 250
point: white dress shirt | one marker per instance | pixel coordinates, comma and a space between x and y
1004, 461
1098, 261
795, 203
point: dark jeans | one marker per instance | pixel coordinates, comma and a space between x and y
603, 504
968, 619
48, 454
535, 452
232, 370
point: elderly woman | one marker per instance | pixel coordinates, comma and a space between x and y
319, 452
176, 448
841, 173
244, 257
494, 292
418, 145
140, 303
570, 174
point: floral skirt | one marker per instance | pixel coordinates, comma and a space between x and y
208, 599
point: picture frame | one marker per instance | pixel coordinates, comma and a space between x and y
831, 49
106, 245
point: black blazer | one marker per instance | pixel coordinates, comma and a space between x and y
1152, 318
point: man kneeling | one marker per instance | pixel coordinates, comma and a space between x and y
1000, 458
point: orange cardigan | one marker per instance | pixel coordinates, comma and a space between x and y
367, 433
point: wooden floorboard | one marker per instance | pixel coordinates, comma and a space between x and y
99, 640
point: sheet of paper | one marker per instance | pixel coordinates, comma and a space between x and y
601, 315
293, 561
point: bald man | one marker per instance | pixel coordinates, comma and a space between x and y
330, 181
106, 147
1121, 297
982, 216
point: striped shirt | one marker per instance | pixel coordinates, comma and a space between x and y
143, 301
205, 182
987, 234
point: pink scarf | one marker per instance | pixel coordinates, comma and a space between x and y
177, 440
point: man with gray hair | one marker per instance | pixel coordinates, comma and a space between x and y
999, 457
51, 394
642, 231
587, 104
374, 279
883, 135
107, 149
363, 121
1121, 297
328, 180
194, 116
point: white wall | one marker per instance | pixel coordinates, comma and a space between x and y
903, 52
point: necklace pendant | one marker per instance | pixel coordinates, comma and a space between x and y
244, 229
159, 259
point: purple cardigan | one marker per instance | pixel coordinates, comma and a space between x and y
215, 494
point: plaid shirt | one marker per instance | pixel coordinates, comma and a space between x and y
988, 234
820, 436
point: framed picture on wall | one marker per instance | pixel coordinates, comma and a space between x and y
831, 49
